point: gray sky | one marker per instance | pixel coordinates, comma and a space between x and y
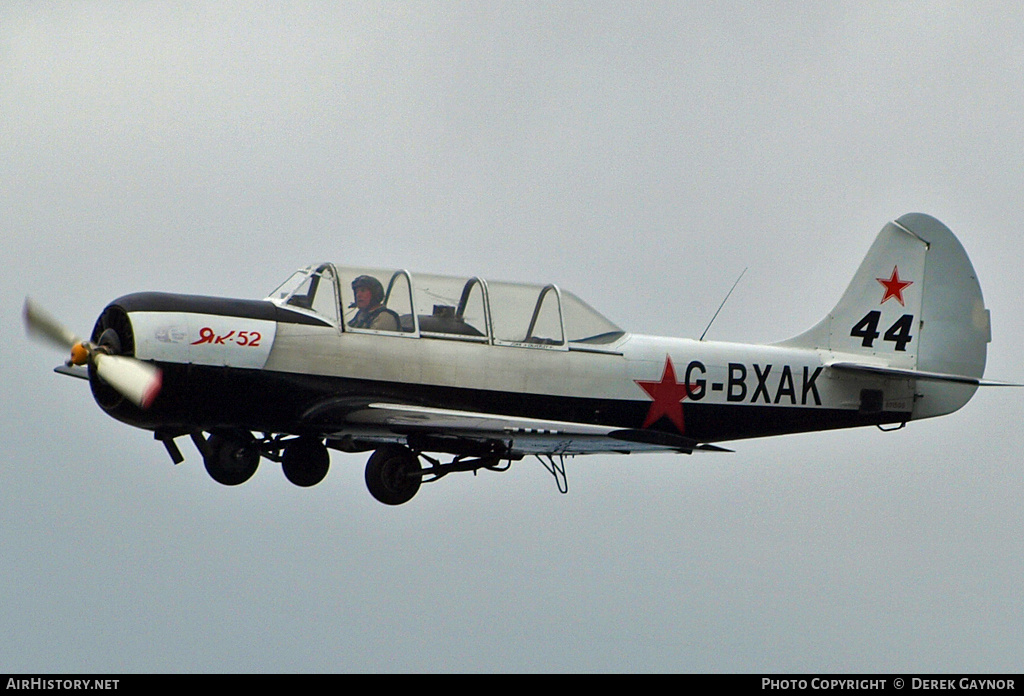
639, 154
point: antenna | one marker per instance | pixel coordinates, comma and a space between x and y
722, 305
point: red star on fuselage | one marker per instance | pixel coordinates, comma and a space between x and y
668, 395
894, 287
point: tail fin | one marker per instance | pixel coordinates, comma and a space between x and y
915, 306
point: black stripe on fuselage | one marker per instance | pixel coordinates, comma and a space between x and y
217, 306
207, 398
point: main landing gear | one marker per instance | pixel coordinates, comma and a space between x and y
305, 461
394, 472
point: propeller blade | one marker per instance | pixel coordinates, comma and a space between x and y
137, 381
39, 323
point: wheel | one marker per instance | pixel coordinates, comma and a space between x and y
305, 461
392, 474
229, 461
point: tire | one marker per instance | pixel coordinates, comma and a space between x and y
392, 475
230, 462
305, 462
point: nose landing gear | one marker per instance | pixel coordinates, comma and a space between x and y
230, 460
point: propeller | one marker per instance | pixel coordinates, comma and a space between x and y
137, 381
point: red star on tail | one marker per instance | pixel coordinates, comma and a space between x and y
668, 395
894, 287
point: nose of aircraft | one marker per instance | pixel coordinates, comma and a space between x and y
119, 375
113, 334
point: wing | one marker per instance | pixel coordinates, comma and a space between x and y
72, 371
378, 422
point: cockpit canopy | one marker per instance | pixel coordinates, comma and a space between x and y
435, 306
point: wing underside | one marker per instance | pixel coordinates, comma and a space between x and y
378, 422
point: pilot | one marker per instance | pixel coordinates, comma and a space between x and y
372, 313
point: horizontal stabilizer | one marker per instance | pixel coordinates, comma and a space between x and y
918, 374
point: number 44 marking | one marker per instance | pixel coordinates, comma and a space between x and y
898, 333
